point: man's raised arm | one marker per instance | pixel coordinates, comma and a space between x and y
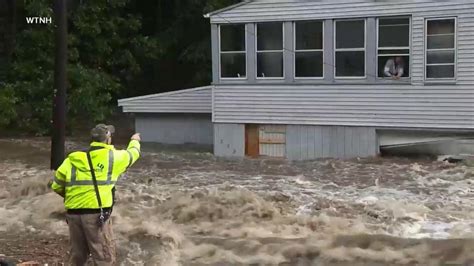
134, 148
129, 156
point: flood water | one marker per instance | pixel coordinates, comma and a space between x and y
190, 208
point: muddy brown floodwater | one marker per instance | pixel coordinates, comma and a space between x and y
189, 208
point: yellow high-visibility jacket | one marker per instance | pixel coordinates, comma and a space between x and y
73, 178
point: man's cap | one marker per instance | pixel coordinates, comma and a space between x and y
100, 131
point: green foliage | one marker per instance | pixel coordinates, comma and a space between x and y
104, 49
110, 40
90, 93
7, 103
30, 76
116, 49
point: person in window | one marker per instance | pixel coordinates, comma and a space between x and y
394, 67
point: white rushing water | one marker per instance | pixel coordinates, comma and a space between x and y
177, 208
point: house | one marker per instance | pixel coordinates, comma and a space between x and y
310, 79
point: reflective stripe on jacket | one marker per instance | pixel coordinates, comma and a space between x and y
73, 178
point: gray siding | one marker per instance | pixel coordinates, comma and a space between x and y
258, 11
403, 106
229, 140
419, 10
196, 100
369, 102
175, 128
313, 142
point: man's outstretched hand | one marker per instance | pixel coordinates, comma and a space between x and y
136, 136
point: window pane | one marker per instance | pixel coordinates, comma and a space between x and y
269, 36
270, 64
440, 41
350, 64
394, 32
384, 61
350, 34
440, 71
309, 64
233, 65
309, 35
445, 26
394, 21
232, 37
440, 57
395, 51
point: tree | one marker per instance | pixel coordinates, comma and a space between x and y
104, 46
116, 49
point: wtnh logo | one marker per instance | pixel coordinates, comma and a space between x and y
39, 20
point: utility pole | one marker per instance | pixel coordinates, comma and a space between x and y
58, 137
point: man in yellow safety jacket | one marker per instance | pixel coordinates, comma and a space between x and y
89, 195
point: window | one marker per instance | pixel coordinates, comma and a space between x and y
393, 48
309, 49
232, 51
350, 48
440, 48
270, 50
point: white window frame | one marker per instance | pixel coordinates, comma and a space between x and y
455, 48
233, 52
307, 50
350, 49
270, 51
409, 48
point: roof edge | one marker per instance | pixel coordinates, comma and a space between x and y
208, 15
121, 102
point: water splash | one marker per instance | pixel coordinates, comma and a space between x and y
178, 208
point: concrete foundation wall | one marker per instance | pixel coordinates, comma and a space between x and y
313, 142
175, 128
229, 140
